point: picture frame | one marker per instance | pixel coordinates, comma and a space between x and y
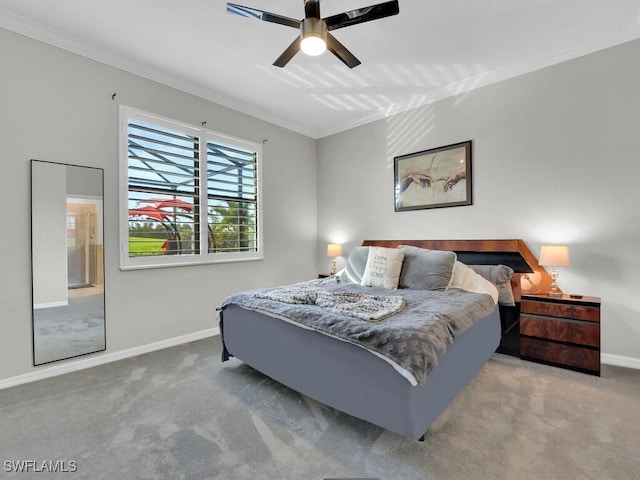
434, 178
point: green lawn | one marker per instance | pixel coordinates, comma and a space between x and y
145, 246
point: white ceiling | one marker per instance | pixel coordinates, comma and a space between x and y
431, 50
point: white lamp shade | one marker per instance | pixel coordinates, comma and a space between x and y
554, 256
334, 250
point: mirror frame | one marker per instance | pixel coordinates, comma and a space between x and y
101, 223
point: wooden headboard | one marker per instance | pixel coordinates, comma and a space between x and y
529, 277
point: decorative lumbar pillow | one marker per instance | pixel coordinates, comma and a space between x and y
383, 267
500, 276
356, 263
425, 269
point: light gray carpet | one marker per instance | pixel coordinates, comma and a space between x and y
181, 414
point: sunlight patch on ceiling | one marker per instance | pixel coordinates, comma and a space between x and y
414, 85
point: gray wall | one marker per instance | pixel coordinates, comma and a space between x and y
57, 106
556, 159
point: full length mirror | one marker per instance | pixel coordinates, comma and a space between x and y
67, 261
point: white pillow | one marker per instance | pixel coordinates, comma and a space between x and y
383, 267
466, 279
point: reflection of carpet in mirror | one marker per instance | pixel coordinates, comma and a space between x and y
71, 330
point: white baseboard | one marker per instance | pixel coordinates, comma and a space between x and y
620, 361
61, 303
92, 361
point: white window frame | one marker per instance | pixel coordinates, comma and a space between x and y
203, 257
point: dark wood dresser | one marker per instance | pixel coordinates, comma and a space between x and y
561, 331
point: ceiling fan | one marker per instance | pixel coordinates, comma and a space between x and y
314, 36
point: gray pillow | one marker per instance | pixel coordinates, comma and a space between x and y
425, 269
356, 263
500, 276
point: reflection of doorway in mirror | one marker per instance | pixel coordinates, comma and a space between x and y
84, 245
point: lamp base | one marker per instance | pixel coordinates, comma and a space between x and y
555, 291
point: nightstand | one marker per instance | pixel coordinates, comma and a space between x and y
561, 331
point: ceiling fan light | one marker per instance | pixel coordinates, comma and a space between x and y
313, 45
313, 34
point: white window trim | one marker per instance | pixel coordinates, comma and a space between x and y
204, 257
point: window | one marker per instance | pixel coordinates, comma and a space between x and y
188, 195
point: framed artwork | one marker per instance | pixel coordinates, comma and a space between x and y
439, 177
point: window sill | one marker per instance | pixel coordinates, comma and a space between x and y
165, 262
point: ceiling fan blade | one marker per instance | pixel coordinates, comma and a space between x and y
288, 54
311, 8
361, 15
340, 51
261, 15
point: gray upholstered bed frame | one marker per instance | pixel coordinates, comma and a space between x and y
353, 380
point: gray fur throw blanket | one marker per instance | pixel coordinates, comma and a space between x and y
353, 304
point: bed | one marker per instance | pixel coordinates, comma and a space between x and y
360, 381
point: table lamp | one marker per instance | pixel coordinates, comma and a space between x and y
334, 250
554, 256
